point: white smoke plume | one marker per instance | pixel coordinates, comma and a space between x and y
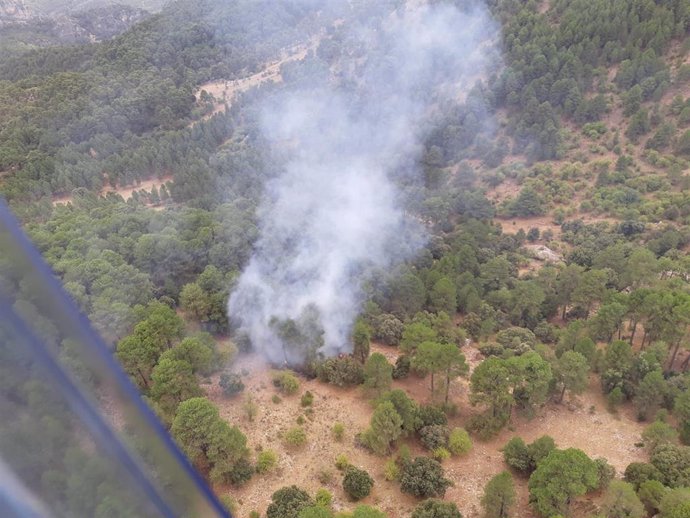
337, 209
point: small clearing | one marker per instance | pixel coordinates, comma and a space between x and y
125, 191
582, 422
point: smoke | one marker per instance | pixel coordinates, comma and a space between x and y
351, 137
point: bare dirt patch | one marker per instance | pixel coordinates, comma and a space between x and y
125, 191
597, 432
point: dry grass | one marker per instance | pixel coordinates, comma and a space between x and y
598, 433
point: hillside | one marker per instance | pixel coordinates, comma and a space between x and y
352, 230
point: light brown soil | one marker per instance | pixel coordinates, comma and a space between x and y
124, 191
598, 433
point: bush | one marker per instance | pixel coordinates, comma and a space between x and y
434, 436
266, 461
637, 473
286, 382
441, 454
287, 502
276, 399
401, 370
516, 455
338, 431
434, 508
231, 383
430, 415
296, 436
342, 462
357, 483
423, 478
459, 442
391, 471
307, 399
323, 497
342, 372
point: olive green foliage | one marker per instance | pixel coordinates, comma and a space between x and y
211, 442
621, 501
673, 464
357, 483
424, 478
434, 508
288, 502
459, 442
386, 426
338, 431
559, 477
378, 374
266, 461
343, 372
286, 382
231, 383
499, 496
295, 437
525, 458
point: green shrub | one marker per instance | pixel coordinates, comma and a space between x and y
341, 462
286, 382
459, 442
391, 471
441, 454
295, 436
323, 497
276, 399
434, 436
231, 383
307, 399
357, 483
338, 431
266, 461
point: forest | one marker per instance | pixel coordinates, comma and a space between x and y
552, 290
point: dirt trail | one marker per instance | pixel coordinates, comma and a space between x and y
597, 432
225, 91
125, 191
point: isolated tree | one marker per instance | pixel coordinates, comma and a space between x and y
288, 502
499, 496
622, 502
561, 476
378, 374
516, 454
490, 386
385, 427
434, 508
405, 407
572, 373
423, 478
361, 338
531, 377
357, 483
